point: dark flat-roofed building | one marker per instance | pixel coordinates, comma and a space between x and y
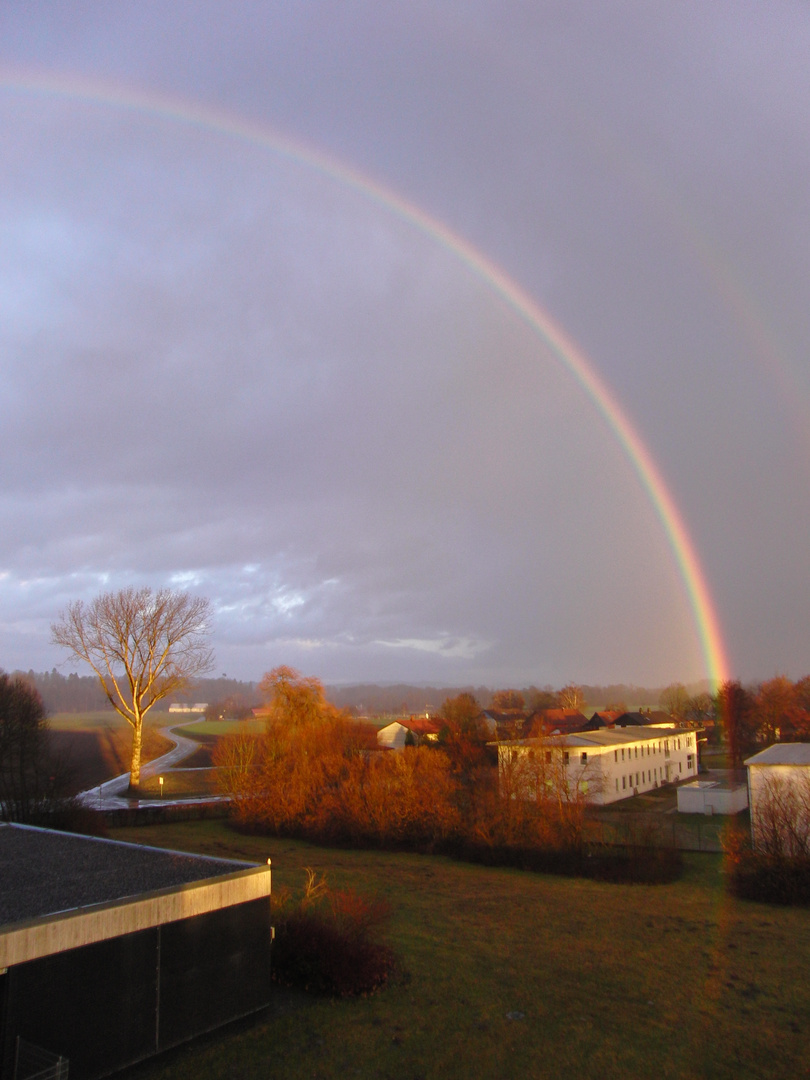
112, 952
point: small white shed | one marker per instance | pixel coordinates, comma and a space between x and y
712, 797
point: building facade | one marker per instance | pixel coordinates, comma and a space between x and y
111, 952
779, 798
604, 766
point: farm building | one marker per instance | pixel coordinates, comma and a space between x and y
604, 765
779, 797
408, 732
111, 952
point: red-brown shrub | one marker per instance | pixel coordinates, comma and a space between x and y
330, 943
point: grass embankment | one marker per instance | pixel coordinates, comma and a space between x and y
98, 745
181, 783
601, 981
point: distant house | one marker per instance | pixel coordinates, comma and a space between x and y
605, 719
111, 952
200, 707
556, 722
604, 765
410, 732
651, 718
779, 798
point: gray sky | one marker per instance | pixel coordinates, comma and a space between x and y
222, 367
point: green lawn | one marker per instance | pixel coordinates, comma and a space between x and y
99, 721
216, 728
180, 782
602, 981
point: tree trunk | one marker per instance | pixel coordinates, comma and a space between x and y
135, 761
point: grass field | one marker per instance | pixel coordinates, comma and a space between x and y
97, 745
181, 782
216, 728
520, 975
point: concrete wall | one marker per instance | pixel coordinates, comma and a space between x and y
118, 1000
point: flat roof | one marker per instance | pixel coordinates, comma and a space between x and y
43, 872
797, 753
606, 737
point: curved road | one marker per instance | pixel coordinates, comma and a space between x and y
110, 794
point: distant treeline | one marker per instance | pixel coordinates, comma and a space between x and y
82, 693
75, 693
403, 699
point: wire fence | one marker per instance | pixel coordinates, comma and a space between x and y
687, 833
35, 1063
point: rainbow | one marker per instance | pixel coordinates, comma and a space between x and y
233, 126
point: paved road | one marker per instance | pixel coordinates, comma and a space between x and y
110, 795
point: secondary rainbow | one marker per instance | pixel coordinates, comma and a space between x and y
526, 307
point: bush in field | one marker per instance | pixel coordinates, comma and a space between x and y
769, 876
328, 941
771, 879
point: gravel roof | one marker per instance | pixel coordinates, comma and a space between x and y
43, 872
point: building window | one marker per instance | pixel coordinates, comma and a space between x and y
583, 758
689, 761
548, 757
622, 753
616, 758
624, 782
565, 757
617, 783
636, 751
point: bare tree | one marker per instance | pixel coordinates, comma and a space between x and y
674, 699
142, 645
780, 817
571, 697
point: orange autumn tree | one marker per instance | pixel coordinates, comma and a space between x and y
316, 772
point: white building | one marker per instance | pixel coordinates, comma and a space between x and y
605, 765
394, 736
712, 797
779, 797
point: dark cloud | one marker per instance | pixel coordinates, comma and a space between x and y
227, 370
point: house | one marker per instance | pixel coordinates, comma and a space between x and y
779, 798
112, 952
408, 732
604, 766
556, 722
605, 719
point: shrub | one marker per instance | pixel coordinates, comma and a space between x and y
328, 941
770, 879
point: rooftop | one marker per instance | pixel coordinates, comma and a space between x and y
797, 753
43, 872
607, 737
